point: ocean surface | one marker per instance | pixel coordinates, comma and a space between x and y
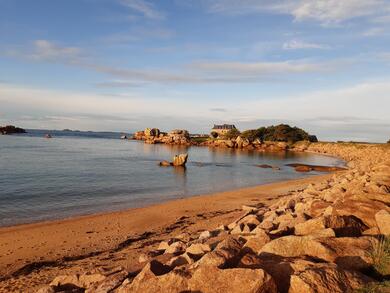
79, 173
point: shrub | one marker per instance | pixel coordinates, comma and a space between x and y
232, 133
375, 287
214, 134
380, 255
286, 133
251, 134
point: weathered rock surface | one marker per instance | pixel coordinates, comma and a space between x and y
180, 160
383, 221
318, 239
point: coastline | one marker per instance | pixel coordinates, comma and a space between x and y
123, 244
25, 246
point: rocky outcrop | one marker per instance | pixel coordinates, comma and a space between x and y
154, 135
178, 161
10, 129
322, 238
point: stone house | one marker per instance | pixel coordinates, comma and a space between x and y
222, 129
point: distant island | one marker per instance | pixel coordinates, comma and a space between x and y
10, 129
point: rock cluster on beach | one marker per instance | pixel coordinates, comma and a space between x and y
324, 238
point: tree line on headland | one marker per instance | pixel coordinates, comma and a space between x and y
281, 132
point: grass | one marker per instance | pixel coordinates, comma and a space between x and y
199, 139
380, 287
380, 255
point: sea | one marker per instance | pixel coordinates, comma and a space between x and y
79, 173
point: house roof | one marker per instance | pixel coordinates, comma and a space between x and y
224, 126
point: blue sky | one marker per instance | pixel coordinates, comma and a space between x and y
124, 65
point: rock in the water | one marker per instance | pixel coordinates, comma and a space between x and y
180, 160
165, 164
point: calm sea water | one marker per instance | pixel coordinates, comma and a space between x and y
68, 175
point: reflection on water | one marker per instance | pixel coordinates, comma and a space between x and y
45, 179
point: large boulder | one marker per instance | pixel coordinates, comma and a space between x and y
256, 242
81, 281
225, 254
298, 246
325, 278
214, 280
347, 252
152, 132
180, 160
343, 226
156, 277
383, 221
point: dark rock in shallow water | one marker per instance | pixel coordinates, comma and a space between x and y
10, 129
178, 161
265, 166
308, 168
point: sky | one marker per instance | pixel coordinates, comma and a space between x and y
124, 65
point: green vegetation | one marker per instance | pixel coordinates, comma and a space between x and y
281, 132
377, 287
252, 134
214, 134
10, 129
199, 139
380, 255
232, 133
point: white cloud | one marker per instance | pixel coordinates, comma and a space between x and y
355, 112
143, 7
209, 72
297, 44
327, 12
373, 32
44, 50
47, 51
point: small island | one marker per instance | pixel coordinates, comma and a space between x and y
277, 138
10, 129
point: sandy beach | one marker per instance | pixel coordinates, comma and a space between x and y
33, 254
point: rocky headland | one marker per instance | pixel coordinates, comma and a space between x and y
266, 139
330, 236
10, 129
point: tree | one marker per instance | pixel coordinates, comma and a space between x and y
232, 133
284, 132
214, 134
252, 134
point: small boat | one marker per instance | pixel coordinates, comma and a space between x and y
48, 135
124, 137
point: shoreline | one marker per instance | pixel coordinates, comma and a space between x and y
157, 203
79, 237
126, 210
